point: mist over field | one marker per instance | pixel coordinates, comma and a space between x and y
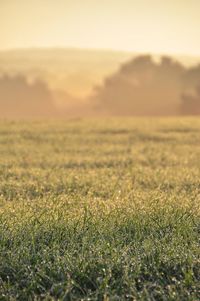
99, 150
61, 83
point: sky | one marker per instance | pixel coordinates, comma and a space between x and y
156, 26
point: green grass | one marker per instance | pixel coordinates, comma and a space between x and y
100, 210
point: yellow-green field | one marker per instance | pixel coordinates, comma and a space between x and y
100, 210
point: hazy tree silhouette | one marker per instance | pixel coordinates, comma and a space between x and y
143, 87
191, 102
21, 99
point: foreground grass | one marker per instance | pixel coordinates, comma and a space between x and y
100, 210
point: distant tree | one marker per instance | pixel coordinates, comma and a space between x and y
18, 98
191, 102
142, 87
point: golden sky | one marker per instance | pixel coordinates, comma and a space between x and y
159, 26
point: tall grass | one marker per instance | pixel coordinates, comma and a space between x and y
100, 210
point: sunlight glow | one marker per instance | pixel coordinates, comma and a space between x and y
143, 26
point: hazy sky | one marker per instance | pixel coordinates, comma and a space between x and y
167, 26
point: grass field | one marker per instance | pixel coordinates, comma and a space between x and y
100, 210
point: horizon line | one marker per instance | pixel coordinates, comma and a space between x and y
95, 49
